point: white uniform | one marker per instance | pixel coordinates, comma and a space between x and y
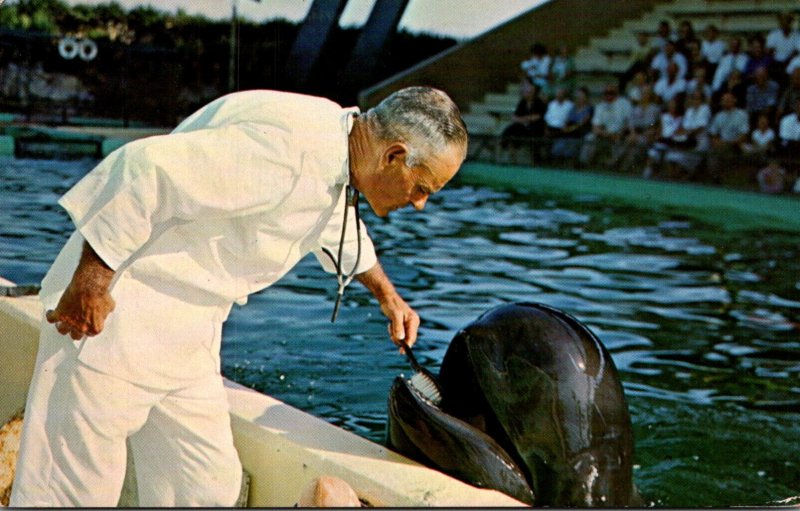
191, 222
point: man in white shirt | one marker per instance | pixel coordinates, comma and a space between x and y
729, 129
609, 124
670, 85
783, 42
712, 47
734, 59
789, 133
170, 232
558, 110
667, 56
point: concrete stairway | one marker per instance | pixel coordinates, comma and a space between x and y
597, 62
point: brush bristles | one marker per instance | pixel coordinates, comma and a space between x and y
427, 388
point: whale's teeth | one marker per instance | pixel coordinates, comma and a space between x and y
427, 387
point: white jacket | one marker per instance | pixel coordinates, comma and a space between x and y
222, 207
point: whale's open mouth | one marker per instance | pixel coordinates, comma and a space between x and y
523, 391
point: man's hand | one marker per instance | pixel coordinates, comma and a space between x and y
86, 303
403, 321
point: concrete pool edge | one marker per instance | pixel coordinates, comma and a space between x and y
730, 209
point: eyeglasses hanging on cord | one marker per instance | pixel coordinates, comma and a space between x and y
342, 278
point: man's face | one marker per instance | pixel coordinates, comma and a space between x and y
728, 101
397, 185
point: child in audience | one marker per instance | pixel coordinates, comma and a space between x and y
762, 139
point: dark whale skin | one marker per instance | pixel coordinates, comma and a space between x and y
546, 390
421, 431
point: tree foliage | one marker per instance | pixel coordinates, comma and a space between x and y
158, 66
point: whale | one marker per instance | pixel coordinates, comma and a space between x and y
531, 405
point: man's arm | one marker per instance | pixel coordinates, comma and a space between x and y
404, 320
86, 303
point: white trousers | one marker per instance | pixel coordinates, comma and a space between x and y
73, 448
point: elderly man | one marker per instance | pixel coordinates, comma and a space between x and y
170, 232
728, 130
609, 126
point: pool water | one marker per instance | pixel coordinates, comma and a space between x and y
703, 324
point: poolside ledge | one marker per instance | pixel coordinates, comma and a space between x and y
725, 207
281, 447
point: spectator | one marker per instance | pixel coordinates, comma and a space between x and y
762, 95
782, 44
669, 123
694, 58
527, 122
578, 125
772, 178
641, 54
537, 67
792, 65
762, 139
789, 133
562, 71
663, 34
558, 110
671, 85
729, 130
735, 59
686, 37
712, 48
736, 86
666, 56
633, 91
642, 131
609, 124
692, 135
700, 83
758, 57
790, 95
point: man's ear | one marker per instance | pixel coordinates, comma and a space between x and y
395, 153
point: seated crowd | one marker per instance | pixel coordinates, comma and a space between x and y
687, 107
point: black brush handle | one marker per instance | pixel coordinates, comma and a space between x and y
411, 358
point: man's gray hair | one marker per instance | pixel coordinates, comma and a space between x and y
424, 118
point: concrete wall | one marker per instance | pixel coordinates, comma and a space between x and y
489, 62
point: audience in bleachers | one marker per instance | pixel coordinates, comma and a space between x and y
558, 110
577, 126
789, 132
757, 57
789, 96
664, 33
668, 55
670, 85
762, 95
609, 125
537, 67
712, 48
562, 71
528, 120
733, 60
762, 138
782, 43
642, 130
689, 108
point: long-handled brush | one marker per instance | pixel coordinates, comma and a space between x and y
423, 380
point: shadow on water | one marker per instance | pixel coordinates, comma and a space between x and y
703, 324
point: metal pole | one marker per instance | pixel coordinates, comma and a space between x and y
233, 49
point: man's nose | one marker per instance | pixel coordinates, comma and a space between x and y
419, 203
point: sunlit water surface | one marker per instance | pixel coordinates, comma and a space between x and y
702, 324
